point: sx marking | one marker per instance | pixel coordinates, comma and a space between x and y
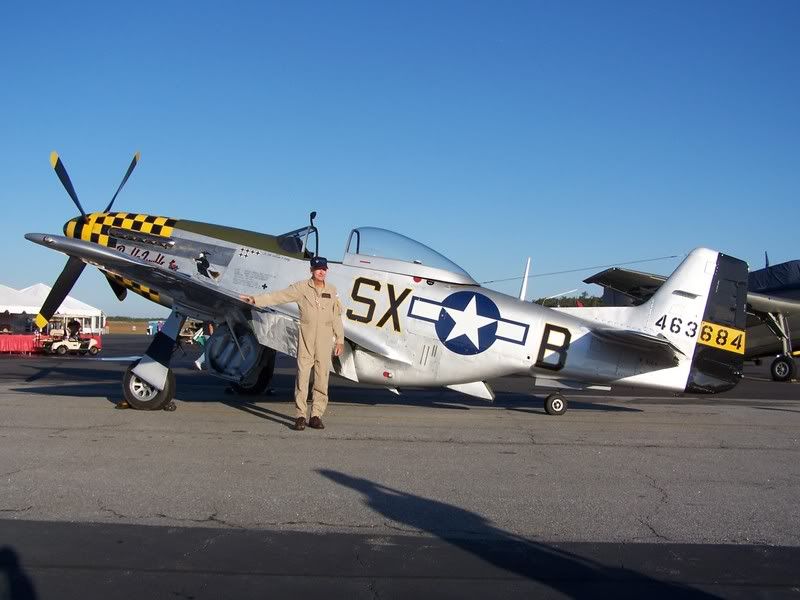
395, 302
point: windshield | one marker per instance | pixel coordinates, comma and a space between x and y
293, 241
382, 243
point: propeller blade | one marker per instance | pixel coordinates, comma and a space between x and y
61, 288
61, 171
134, 162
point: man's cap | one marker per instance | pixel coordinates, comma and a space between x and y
319, 262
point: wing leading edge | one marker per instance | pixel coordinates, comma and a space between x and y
202, 298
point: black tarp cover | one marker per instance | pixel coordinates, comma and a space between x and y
782, 277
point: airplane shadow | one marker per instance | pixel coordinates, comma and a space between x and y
193, 386
564, 572
443, 398
792, 410
18, 585
72, 374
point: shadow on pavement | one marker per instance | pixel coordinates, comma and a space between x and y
261, 412
14, 582
562, 571
192, 386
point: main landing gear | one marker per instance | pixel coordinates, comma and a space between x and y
555, 404
149, 383
139, 394
782, 368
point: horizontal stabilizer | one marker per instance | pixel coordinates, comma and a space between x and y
637, 339
634, 284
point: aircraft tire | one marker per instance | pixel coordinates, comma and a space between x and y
143, 396
782, 368
264, 377
555, 404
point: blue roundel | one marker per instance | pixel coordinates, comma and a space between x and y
467, 322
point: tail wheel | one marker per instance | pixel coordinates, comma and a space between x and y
782, 368
264, 377
143, 396
555, 404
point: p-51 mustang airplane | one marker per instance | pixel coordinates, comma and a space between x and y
411, 316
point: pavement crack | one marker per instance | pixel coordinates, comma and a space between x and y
371, 582
212, 518
16, 510
663, 500
113, 512
652, 530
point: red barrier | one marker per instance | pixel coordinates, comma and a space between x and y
18, 344
29, 343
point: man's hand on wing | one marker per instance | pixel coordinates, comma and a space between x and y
338, 349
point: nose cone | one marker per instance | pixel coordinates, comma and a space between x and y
71, 227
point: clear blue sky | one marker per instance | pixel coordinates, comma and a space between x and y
579, 133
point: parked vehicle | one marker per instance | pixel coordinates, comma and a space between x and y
81, 346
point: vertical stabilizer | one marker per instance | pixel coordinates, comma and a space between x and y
701, 310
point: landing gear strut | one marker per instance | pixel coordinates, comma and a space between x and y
555, 404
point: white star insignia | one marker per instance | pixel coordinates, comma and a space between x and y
467, 322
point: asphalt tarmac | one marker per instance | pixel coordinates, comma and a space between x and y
430, 493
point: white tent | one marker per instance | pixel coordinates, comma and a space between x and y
19, 307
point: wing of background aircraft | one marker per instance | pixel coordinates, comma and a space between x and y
640, 286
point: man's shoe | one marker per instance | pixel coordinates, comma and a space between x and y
299, 424
316, 423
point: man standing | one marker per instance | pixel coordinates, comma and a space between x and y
320, 323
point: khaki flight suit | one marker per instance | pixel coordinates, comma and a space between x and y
320, 323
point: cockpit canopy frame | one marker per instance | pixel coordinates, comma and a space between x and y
385, 250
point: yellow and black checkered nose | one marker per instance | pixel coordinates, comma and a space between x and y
138, 288
95, 228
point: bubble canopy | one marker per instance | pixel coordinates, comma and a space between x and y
384, 250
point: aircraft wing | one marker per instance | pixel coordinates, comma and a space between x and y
763, 303
205, 298
635, 284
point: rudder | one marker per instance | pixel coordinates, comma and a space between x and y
718, 357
